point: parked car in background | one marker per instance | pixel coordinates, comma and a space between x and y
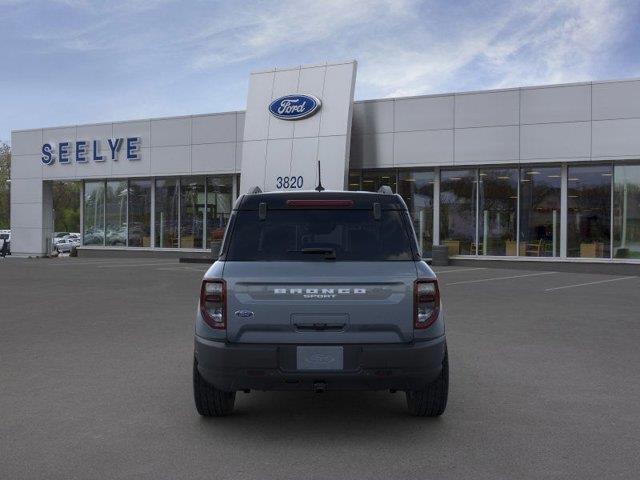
57, 236
66, 244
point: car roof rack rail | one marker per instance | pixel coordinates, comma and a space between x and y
385, 190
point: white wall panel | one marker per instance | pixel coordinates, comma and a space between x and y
26, 166
254, 156
170, 160
27, 215
556, 104
239, 126
278, 161
373, 117
426, 113
334, 84
26, 142
555, 140
304, 161
138, 128
486, 144
213, 158
213, 128
285, 83
331, 153
430, 147
256, 122
487, 109
616, 138
616, 100
26, 190
125, 168
311, 82
338, 98
170, 132
28, 241
372, 151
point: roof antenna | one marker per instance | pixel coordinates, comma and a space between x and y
319, 188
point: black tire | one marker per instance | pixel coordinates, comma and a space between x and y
210, 402
432, 401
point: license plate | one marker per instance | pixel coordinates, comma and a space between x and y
319, 358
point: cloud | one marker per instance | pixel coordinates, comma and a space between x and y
547, 42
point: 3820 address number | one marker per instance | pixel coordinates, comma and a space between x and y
290, 182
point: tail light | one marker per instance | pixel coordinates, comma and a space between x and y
213, 303
426, 303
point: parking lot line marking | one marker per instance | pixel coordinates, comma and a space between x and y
501, 278
184, 269
588, 283
460, 270
120, 265
66, 263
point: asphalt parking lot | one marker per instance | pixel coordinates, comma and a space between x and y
95, 382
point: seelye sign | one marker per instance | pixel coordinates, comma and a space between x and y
294, 107
82, 151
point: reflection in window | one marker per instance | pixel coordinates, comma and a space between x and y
498, 211
626, 207
219, 205
116, 213
416, 188
139, 213
166, 221
589, 211
354, 180
192, 207
93, 213
458, 211
540, 189
374, 179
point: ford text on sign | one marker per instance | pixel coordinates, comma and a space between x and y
294, 107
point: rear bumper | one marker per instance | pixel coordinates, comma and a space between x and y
232, 367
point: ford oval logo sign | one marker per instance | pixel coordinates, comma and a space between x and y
294, 107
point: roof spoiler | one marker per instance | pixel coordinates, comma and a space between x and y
385, 190
255, 189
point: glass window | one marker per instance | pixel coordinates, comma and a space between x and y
192, 206
372, 180
626, 208
458, 211
540, 192
93, 213
116, 213
498, 211
140, 213
589, 211
416, 188
167, 197
354, 180
312, 235
219, 205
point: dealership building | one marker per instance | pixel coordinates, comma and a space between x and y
535, 173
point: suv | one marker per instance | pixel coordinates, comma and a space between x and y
320, 291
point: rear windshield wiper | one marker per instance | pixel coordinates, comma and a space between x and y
330, 253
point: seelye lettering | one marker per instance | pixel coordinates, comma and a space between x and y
82, 150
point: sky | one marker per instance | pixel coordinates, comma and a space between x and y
65, 62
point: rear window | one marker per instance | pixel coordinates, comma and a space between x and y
315, 235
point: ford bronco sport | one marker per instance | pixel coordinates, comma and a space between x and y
320, 291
